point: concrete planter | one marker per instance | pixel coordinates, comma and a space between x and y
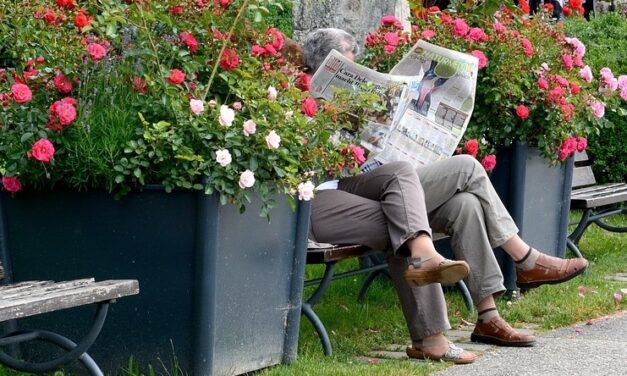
219, 290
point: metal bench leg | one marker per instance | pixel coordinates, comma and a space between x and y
466, 295
307, 308
583, 223
75, 351
366, 285
573, 247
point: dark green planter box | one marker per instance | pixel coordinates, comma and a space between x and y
538, 198
219, 291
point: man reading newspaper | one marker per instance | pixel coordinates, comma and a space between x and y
396, 206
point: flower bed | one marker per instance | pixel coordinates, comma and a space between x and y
533, 85
188, 94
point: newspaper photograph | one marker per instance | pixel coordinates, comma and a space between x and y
339, 72
438, 107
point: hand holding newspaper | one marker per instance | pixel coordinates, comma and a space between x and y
429, 97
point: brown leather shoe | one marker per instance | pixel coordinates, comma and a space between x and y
498, 332
550, 270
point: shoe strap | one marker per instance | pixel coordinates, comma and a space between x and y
416, 262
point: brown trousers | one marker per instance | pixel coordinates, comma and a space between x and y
385, 207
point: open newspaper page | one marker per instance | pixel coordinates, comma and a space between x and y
339, 72
438, 105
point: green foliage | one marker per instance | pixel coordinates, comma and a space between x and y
606, 40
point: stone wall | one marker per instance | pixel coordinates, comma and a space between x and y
358, 17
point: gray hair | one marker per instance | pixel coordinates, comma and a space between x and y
321, 41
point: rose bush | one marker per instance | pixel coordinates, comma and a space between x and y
533, 85
187, 94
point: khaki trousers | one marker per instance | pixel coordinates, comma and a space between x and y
385, 207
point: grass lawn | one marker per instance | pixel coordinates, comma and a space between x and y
356, 329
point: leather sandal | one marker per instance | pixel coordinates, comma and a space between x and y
454, 354
447, 272
498, 332
550, 270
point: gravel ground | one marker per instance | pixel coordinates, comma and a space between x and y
596, 348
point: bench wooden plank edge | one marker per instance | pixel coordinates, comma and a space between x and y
57, 300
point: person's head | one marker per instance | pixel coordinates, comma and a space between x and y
320, 42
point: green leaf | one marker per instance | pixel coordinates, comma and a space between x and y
26, 136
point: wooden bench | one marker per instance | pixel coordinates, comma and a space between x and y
31, 298
373, 267
596, 200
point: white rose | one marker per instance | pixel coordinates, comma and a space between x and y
196, 106
273, 140
306, 191
223, 157
246, 179
227, 115
272, 93
249, 127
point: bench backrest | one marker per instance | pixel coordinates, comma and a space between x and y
582, 173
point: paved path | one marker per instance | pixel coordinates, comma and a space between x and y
597, 348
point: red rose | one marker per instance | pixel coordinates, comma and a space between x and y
62, 84
574, 88
61, 114
223, 3
66, 3
42, 150
522, 111
96, 51
139, 85
270, 50
303, 82
257, 50
391, 21
66, 112
229, 59
489, 162
50, 17
81, 20
11, 183
543, 84
483, 60
582, 144
310, 107
276, 38
175, 10
472, 147
189, 40
176, 77
391, 39
21, 93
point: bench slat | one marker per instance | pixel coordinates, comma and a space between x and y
337, 253
33, 288
583, 176
30, 303
600, 196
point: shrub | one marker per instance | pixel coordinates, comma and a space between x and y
606, 39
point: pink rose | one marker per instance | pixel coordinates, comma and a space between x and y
391, 38
21, 93
223, 157
389, 49
543, 84
176, 77
237, 105
623, 94
622, 82
227, 115
96, 51
249, 127
472, 147
303, 82
276, 38
197, 106
522, 111
489, 162
527, 47
65, 111
246, 179
427, 34
190, 41
476, 35
62, 84
483, 60
273, 140
499, 28
42, 150
306, 191
11, 183
358, 154
272, 93
257, 50
391, 21
586, 74
598, 108
567, 60
309, 107
460, 28
582, 144
578, 61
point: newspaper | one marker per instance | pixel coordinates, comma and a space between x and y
429, 97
